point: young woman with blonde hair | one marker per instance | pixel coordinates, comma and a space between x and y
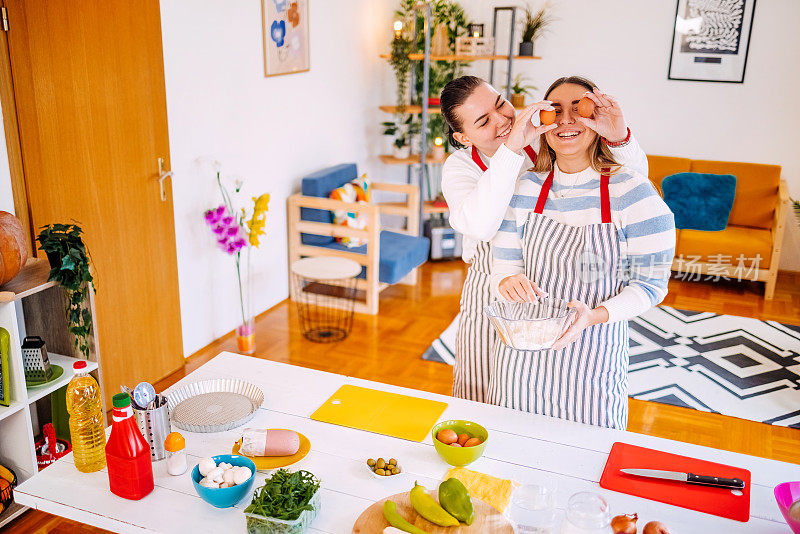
589, 230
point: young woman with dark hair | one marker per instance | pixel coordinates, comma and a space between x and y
591, 231
497, 146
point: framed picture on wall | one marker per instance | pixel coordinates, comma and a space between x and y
710, 40
286, 48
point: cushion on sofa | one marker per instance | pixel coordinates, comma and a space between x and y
320, 184
662, 166
756, 190
400, 253
730, 242
700, 201
354, 191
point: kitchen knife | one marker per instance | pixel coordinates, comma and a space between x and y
689, 478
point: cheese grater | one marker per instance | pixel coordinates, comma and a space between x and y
37, 365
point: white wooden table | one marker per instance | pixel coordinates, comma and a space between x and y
525, 447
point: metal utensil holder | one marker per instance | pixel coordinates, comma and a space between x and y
154, 425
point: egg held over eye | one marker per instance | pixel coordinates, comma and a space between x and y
547, 117
586, 107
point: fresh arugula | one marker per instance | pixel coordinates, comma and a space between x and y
284, 496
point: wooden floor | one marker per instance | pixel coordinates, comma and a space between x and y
387, 348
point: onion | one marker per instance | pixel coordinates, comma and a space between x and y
794, 510
624, 524
655, 527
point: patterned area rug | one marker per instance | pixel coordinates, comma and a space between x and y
724, 364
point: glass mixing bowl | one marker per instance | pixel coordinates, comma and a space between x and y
530, 325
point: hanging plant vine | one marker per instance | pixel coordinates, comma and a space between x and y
71, 268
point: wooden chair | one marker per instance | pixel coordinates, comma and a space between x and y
389, 256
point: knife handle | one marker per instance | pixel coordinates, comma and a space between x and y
733, 483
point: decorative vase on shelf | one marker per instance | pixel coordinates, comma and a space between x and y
402, 152
526, 48
518, 100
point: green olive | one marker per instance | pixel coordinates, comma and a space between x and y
397, 470
381, 464
371, 462
392, 462
379, 471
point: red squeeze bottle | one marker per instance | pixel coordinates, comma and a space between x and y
130, 473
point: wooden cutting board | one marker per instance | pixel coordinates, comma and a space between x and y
487, 519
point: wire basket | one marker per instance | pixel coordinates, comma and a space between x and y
325, 306
35, 360
7, 490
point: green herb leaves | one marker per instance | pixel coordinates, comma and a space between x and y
284, 496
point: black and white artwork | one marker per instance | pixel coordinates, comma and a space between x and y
711, 39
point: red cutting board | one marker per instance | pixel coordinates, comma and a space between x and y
715, 501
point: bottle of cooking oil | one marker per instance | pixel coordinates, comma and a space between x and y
86, 420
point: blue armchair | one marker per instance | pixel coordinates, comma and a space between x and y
389, 257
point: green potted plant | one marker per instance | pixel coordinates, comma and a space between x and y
70, 266
401, 64
403, 131
519, 89
533, 25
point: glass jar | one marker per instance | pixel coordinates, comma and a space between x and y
175, 446
533, 510
587, 513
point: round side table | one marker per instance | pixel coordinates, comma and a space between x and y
324, 289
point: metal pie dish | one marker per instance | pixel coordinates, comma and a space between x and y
214, 405
530, 326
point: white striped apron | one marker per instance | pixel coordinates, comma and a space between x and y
587, 381
475, 336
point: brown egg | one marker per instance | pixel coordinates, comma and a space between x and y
547, 117
472, 442
586, 107
455, 445
462, 439
447, 436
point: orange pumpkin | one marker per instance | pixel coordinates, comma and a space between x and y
13, 250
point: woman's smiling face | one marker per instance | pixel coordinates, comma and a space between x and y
486, 119
570, 137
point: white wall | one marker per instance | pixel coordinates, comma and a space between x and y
268, 131
624, 45
6, 194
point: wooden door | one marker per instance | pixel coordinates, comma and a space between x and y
88, 79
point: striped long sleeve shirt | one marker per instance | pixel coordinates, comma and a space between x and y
645, 226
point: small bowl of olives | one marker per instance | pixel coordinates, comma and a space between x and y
383, 468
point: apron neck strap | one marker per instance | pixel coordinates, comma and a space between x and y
544, 192
531, 153
605, 203
476, 157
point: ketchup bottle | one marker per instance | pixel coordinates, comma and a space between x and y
130, 473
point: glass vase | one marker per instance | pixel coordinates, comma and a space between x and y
246, 331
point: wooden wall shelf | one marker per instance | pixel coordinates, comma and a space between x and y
432, 110
31, 279
453, 57
411, 160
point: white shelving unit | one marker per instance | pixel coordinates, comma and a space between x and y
29, 301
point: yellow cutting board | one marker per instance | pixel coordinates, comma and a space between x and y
395, 415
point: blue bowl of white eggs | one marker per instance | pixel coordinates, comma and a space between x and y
224, 480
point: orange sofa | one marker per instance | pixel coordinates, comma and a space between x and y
750, 246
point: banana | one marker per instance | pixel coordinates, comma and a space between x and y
428, 508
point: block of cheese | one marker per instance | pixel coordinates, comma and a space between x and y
491, 490
269, 442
